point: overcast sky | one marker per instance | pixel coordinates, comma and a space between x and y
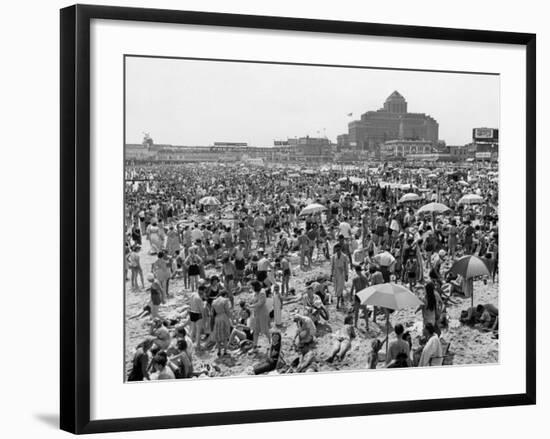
194, 102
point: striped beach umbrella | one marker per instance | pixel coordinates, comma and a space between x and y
470, 266
209, 201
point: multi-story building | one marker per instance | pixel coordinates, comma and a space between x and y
391, 122
401, 149
485, 144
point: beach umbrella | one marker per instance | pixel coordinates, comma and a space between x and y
209, 201
463, 183
471, 199
409, 197
407, 186
313, 208
432, 175
388, 295
468, 267
433, 208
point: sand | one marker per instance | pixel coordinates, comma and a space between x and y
469, 345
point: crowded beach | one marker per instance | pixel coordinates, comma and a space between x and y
244, 269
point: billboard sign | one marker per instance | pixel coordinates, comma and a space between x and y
483, 155
485, 134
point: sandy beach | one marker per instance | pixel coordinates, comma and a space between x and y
470, 345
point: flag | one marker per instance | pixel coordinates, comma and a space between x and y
350, 114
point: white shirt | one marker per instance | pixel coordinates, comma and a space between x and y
432, 351
345, 229
196, 234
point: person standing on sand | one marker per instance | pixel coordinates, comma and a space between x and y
172, 240
196, 309
135, 268
222, 322
156, 295
277, 305
261, 314
360, 282
339, 274
162, 272
431, 307
432, 354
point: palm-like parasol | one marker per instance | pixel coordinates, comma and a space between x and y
313, 208
209, 201
433, 208
471, 199
407, 198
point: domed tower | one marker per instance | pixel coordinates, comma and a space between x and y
395, 103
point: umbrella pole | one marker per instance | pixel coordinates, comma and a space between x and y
387, 329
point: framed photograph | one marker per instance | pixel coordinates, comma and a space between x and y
274, 218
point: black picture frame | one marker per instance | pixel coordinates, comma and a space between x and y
75, 217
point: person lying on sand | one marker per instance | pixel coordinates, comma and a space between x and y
342, 340
146, 311
485, 315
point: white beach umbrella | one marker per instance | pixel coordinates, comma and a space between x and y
313, 208
409, 198
433, 208
388, 295
471, 199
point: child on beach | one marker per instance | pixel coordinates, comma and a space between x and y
372, 358
285, 267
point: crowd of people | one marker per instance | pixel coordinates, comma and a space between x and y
231, 246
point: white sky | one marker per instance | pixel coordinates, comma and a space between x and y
195, 102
